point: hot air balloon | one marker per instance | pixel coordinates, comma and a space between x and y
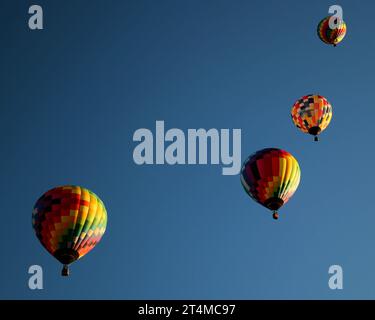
312, 114
331, 36
69, 221
271, 176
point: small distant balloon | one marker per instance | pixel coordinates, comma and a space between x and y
332, 36
312, 114
69, 221
270, 177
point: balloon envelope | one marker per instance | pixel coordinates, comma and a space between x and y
270, 177
331, 36
69, 221
312, 114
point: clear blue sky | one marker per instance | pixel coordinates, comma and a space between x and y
73, 94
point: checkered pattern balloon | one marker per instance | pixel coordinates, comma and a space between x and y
271, 177
312, 114
69, 221
331, 36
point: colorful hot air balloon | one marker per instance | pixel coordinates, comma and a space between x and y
271, 176
69, 221
312, 114
331, 36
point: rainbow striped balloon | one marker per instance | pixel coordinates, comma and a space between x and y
69, 221
270, 177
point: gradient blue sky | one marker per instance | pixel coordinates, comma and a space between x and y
73, 94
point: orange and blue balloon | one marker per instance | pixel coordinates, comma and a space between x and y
312, 114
